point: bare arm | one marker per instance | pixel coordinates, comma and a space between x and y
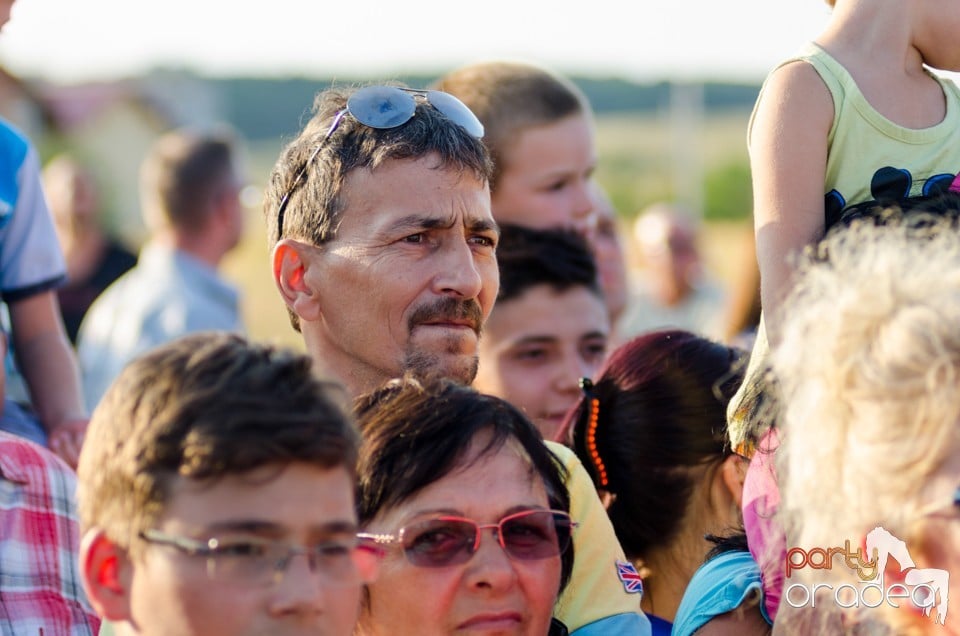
49, 367
788, 158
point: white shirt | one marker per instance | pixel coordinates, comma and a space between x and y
701, 312
168, 294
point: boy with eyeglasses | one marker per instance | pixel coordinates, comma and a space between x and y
216, 493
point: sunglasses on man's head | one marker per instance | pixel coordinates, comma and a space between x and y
527, 536
384, 107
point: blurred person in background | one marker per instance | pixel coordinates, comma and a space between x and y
94, 258
190, 186
608, 250
743, 300
549, 327
672, 290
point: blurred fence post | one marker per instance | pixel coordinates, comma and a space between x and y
686, 134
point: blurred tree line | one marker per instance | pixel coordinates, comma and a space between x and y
638, 156
275, 108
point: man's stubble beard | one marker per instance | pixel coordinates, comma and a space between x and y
426, 364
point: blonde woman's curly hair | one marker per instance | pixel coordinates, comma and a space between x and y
869, 367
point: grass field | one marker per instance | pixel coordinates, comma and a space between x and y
641, 161
653, 158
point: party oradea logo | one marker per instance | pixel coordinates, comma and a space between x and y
925, 588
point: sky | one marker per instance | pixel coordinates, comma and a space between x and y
71, 41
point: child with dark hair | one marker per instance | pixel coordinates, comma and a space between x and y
549, 326
651, 429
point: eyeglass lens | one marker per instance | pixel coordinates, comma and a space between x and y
392, 106
381, 106
538, 534
339, 565
388, 107
456, 111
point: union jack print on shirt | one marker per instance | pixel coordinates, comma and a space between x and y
632, 582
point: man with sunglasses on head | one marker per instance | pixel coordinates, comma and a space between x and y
383, 242
216, 496
379, 213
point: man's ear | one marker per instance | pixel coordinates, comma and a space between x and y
290, 267
107, 575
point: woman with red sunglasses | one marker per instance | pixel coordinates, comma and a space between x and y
469, 509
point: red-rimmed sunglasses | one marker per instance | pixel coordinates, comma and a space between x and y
529, 535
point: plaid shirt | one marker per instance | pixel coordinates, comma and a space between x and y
40, 590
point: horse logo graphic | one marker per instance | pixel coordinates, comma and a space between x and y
883, 545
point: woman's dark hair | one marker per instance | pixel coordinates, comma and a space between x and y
416, 432
659, 410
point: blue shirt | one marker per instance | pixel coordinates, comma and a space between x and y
659, 626
166, 295
31, 260
718, 586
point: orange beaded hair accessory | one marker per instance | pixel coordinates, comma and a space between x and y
586, 385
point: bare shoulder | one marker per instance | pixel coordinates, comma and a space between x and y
795, 75
795, 103
797, 85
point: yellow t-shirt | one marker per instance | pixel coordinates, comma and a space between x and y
595, 591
